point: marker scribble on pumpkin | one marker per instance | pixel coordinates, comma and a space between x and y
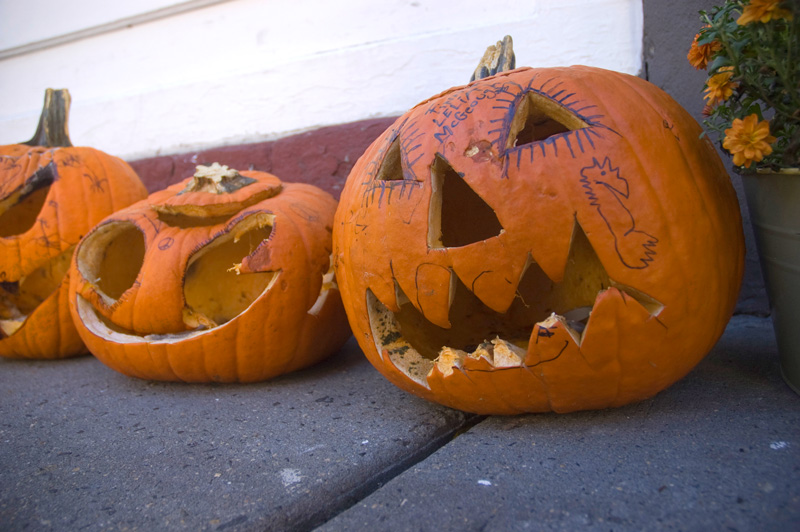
378, 186
304, 212
380, 189
96, 183
70, 160
608, 192
48, 240
165, 243
156, 224
671, 127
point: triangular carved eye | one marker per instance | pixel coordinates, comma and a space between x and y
458, 216
537, 118
19, 211
391, 168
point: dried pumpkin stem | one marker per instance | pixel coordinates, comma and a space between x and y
497, 58
216, 179
53, 130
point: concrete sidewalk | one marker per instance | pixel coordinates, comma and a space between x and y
337, 446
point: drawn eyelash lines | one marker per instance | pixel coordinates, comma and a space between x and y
583, 139
407, 146
447, 115
575, 141
377, 189
380, 188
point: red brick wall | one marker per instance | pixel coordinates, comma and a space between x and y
323, 157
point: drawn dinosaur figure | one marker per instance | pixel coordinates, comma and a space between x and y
609, 192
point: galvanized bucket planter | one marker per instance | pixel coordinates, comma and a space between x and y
773, 199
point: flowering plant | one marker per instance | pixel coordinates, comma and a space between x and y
752, 54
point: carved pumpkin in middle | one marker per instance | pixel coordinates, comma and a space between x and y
223, 277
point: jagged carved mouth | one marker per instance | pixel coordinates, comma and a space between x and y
416, 347
19, 299
105, 328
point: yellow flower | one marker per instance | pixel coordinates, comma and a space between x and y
763, 11
719, 87
748, 140
699, 54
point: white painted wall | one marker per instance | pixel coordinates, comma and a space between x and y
160, 76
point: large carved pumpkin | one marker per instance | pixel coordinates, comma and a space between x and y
51, 194
542, 239
223, 277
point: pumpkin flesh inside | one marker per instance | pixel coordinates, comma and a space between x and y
415, 345
214, 290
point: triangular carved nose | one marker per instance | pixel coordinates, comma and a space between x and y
458, 216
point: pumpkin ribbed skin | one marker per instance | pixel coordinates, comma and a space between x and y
85, 186
144, 333
602, 193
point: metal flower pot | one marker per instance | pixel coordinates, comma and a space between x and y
773, 199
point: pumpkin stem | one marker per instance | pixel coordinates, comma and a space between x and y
53, 130
216, 179
497, 58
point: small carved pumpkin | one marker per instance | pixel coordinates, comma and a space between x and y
542, 239
51, 194
223, 277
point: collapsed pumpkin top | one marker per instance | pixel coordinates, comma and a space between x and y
214, 191
216, 179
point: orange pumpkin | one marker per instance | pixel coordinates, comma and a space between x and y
542, 239
223, 277
51, 194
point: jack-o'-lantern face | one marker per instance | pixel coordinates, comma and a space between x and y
223, 277
544, 239
51, 194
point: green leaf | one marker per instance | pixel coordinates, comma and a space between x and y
754, 108
707, 37
718, 62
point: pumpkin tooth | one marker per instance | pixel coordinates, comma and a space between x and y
484, 350
9, 327
555, 319
450, 359
506, 354
495, 281
498, 353
435, 286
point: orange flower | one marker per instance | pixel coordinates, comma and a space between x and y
700, 54
719, 87
748, 140
763, 11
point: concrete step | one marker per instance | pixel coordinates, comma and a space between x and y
337, 446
